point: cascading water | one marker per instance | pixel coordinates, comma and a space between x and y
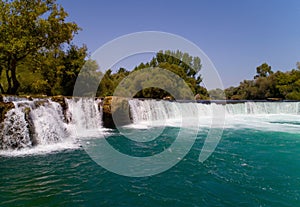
264, 115
42, 122
48, 123
85, 116
151, 110
15, 131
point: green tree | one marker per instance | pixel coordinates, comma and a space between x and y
217, 94
28, 28
298, 65
185, 66
263, 70
280, 85
73, 61
181, 64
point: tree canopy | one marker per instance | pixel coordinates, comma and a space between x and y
30, 29
182, 64
268, 85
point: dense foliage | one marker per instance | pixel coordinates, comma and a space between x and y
181, 64
266, 85
37, 56
33, 58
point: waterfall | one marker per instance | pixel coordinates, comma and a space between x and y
274, 108
41, 122
15, 131
85, 116
45, 121
48, 122
151, 110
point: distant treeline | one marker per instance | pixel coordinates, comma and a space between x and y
266, 84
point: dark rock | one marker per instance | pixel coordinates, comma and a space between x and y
115, 112
4, 108
41, 103
30, 126
61, 100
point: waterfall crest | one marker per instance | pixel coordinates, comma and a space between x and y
151, 110
46, 121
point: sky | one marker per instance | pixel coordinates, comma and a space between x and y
237, 35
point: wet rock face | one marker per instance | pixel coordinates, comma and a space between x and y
4, 108
115, 112
61, 100
30, 126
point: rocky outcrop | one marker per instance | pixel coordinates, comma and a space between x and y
115, 112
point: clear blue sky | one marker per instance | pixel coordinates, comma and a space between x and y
237, 35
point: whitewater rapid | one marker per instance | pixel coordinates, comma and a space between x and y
274, 116
42, 125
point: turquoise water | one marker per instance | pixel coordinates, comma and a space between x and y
250, 167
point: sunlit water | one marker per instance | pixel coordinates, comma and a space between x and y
248, 168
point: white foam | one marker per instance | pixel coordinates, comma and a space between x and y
51, 132
84, 115
271, 116
41, 149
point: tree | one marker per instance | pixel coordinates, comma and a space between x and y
263, 70
181, 64
278, 85
28, 28
217, 94
73, 61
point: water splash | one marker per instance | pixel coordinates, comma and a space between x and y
15, 131
41, 123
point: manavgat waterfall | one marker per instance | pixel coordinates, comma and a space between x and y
43, 121
47, 146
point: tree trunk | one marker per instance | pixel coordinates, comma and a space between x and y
16, 83
8, 78
12, 81
1, 89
